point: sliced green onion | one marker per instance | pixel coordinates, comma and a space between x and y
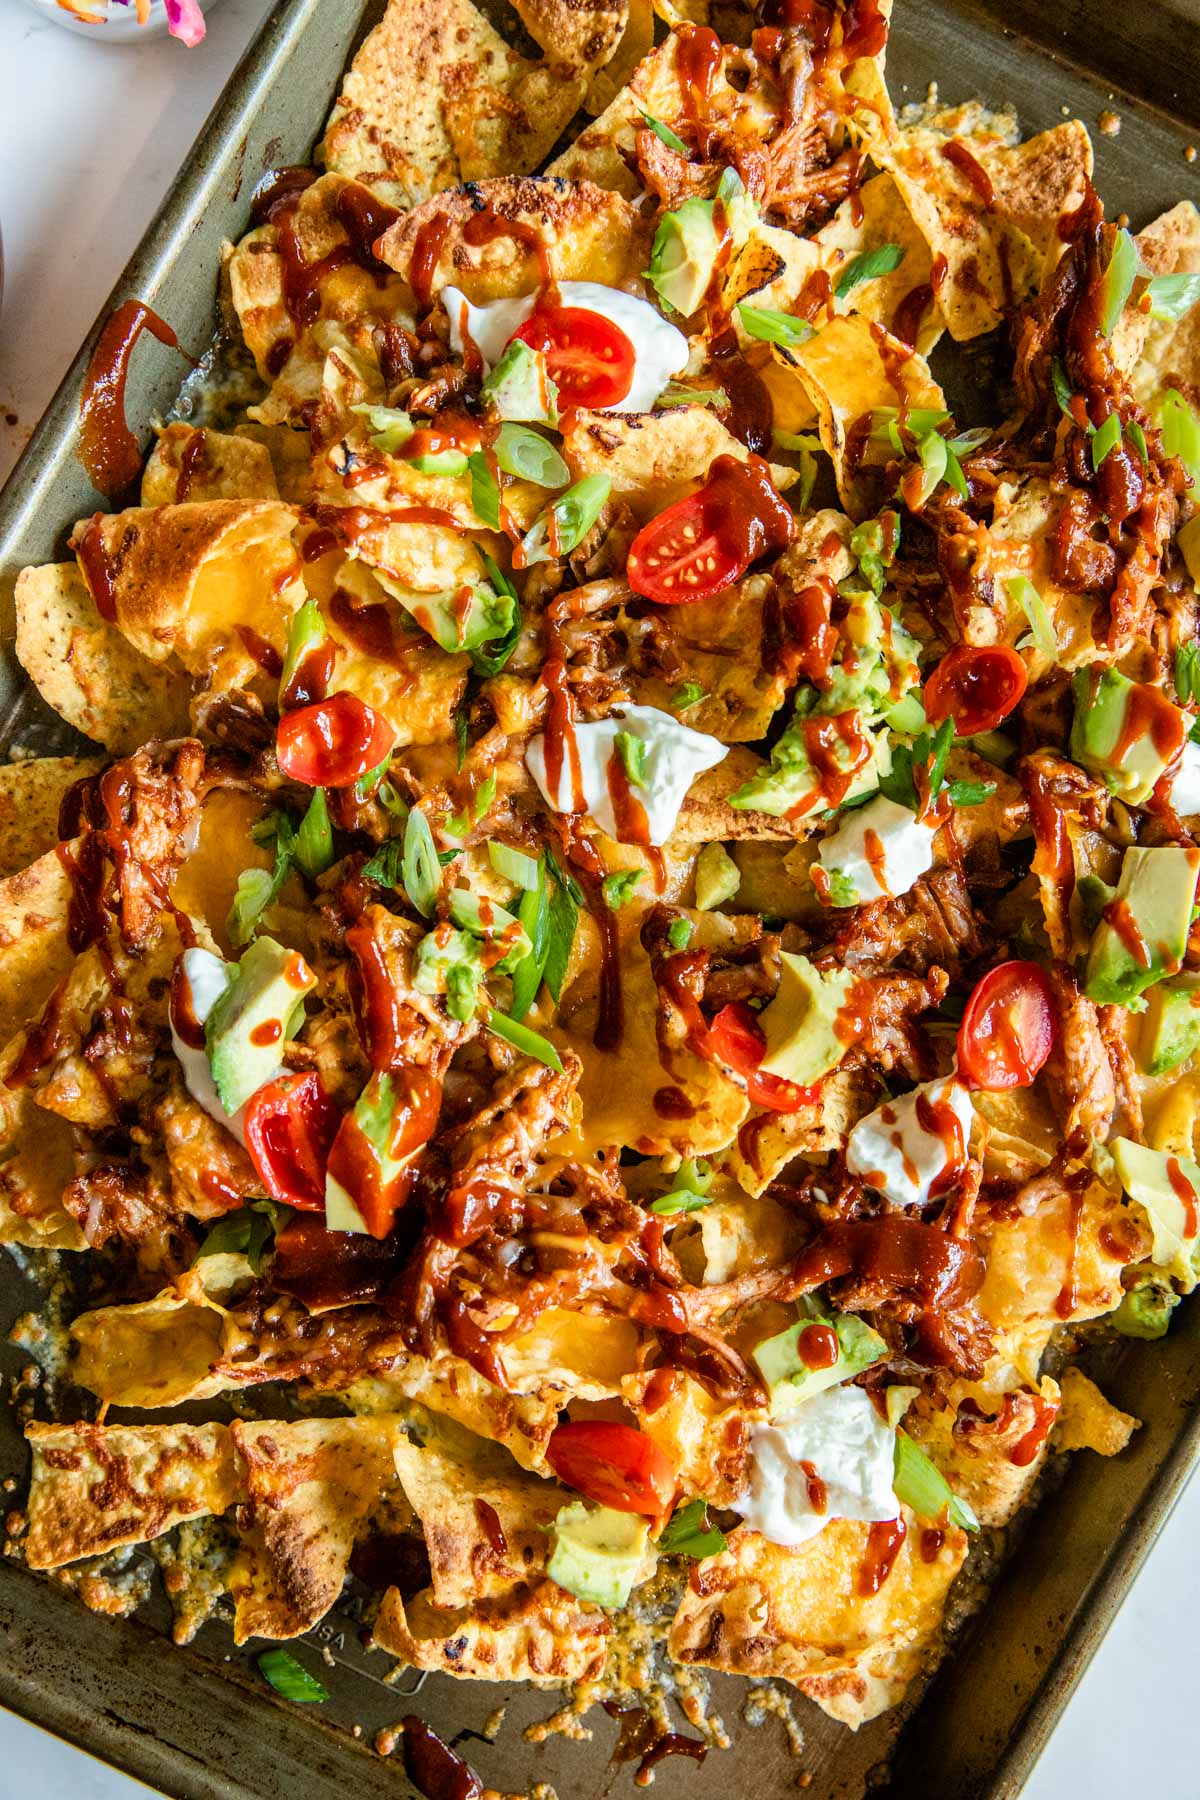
1172, 297
1137, 438
245, 1233
924, 1489
773, 327
530, 1043
485, 491
1116, 284
1062, 388
522, 452
421, 869
256, 888
564, 922
289, 1677
1105, 439
523, 871
534, 914
664, 134
868, 265
1180, 431
689, 1534
314, 839
689, 694
797, 440
390, 426
933, 453
1022, 591
688, 1191
488, 659
386, 866
366, 784
676, 393
632, 752
573, 514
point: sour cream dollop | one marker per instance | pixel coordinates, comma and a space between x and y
850, 1453
879, 850
674, 756
660, 349
905, 1145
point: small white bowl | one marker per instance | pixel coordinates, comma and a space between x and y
120, 27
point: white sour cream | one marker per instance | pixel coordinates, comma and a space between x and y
880, 850
1185, 789
894, 1153
675, 755
660, 350
851, 1454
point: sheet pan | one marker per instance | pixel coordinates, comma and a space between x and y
198, 1723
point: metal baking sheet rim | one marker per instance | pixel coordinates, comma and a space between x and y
122, 1707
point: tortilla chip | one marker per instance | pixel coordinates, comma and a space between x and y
760, 1610
768, 1141
588, 235
977, 1457
579, 34
848, 369
1019, 541
635, 42
469, 1559
875, 216
583, 1355
993, 252
34, 950
1158, 353
651, 458
540, 1634
1088, 1421
706, 816
31, 793
85, 669
309, 1489
96, 1488
1035, 1263
435, 96
197, 463
37, 1160
184, 578
707, 1441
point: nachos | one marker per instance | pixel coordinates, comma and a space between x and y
629, 925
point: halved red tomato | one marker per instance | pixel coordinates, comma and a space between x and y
290, 1125
1008, 1028
736, 1039
589, 358
976, 686
614, 1465
707, 541
332, 742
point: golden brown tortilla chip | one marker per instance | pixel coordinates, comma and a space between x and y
587, 234
309, 1488
580, 34
31, 793
182, 579
196, 463
650, 458
34, 951
96, 1488
37, 1160
87, 671
435, 96
1088, 1421
875, 216
798, 1614
1158, 353
540, 1634
977, 1457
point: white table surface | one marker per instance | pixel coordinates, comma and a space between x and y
89, 140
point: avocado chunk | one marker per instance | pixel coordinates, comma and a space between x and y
1171, 1028
1146, 1310
801, 1023
456, 619
519, 387
1167, 1188
248, 1026
1143, 931
598, 1554
693, 237
718, 877
368, 1173
789, 1378
1125, 731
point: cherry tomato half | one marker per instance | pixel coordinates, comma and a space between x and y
589, 358
614, 1465
332, 742
290, 1125
706, 541
1008, 1028
976, 686
736, 1039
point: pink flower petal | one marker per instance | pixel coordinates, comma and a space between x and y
185, 21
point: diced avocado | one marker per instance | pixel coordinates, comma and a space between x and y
1171, 1028
718, 877
598, 1553
1143, 933
692, 237
363, 1155
451, 963
801, 1022
306, 632
790, 1381
1130, 767
791, 782
1146, 1310
248, 1026
1168, 1190
519, 387
1093, 895
456, 618
440, 462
